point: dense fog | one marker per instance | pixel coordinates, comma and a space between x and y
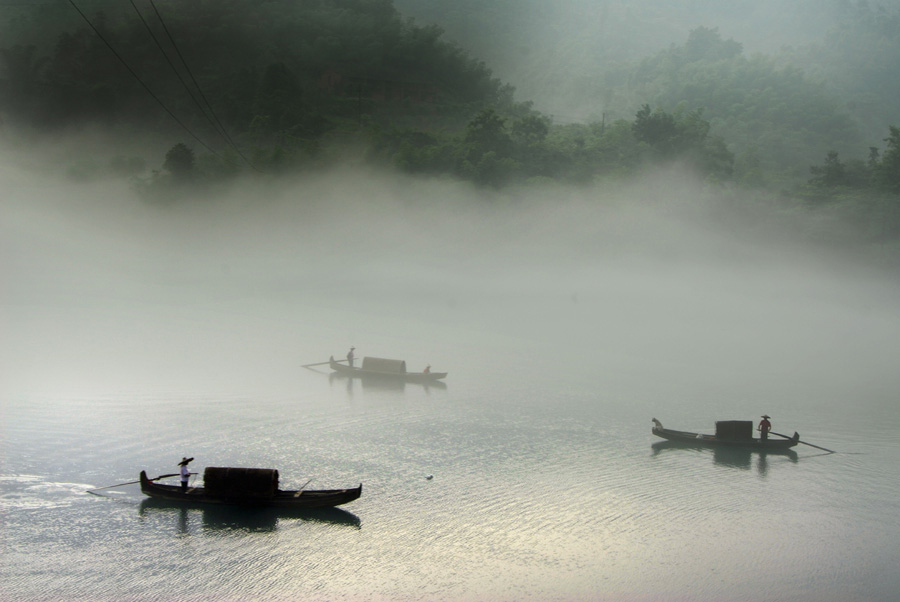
657, 282
557, 56
644, 228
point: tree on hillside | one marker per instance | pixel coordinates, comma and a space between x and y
486, 149
180, 161
531, 129
656, 128
685, 137
706, 44
879, 172
832, 173
487, 132
888, 173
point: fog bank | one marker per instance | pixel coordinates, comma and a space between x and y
655, 282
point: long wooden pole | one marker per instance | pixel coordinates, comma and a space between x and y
320, 363
299, 491
162, 476
805, 443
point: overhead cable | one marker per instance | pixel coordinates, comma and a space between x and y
177, 73
220, 127
147, 88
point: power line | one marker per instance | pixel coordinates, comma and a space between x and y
147, 88
221, 127
177, 74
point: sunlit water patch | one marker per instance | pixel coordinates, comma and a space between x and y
185, 332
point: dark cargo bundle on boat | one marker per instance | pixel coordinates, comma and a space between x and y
734, 429
381, 368
241, 482
379, 364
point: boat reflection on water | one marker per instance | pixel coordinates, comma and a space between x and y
238, 518
743, 458
381, 383
734, 457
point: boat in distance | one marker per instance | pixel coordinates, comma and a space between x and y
256, 487
377, 367
729, 433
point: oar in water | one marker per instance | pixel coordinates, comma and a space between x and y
162, 476
299, 491
320, 363
805, 443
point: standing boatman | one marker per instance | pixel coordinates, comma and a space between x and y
185, 473
764, 427
350, 356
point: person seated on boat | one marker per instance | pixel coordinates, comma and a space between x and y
185, 473
764, 427
350, 356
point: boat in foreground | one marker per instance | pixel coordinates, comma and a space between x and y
729, 433
377, 367
248, 487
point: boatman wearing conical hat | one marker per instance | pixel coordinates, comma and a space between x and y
764, 427
185, 473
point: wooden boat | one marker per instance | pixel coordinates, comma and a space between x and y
376, 367
729, 433
247, 487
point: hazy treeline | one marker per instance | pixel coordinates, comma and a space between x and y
562, 56
784, 84
274, 72
270, 83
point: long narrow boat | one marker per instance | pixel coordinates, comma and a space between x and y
376, 367
732, 433
248, 487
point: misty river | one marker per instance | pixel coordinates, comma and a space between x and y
137, 333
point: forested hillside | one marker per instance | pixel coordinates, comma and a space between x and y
781, 83
557, 54
270, 85
274, 71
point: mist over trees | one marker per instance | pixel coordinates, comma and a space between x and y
781, 83
559, 56
288, 69
274, 86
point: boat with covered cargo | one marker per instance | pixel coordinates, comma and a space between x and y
247, 487
729, 433
377, 367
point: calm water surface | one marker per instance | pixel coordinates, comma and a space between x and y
547, 484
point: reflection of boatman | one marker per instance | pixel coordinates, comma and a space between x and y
185, 473
350, 356
764, 427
